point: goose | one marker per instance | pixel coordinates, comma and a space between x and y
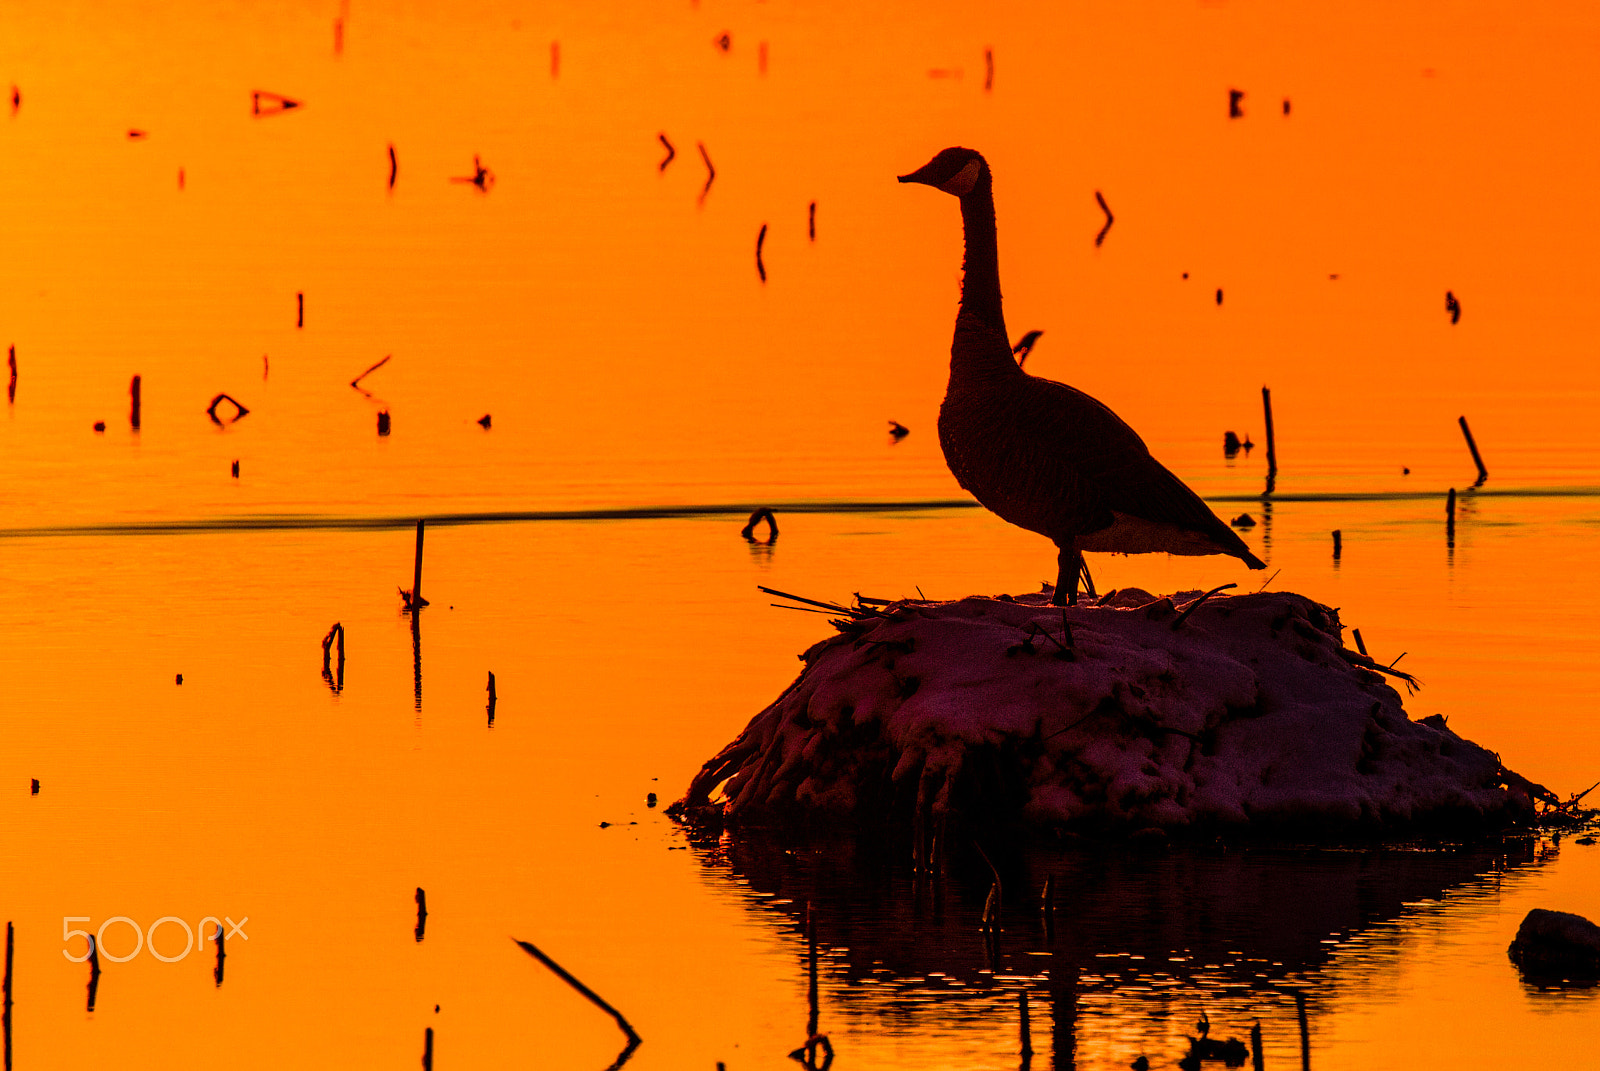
1040, 454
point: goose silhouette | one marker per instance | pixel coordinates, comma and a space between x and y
1041, 454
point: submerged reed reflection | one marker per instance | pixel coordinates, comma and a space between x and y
1140, 936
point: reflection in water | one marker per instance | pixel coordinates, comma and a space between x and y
94, 971
1116, 937
416, 656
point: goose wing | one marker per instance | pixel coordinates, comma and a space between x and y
1110, 463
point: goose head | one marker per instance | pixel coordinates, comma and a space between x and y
955, 171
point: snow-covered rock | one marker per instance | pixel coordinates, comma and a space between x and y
1556, 943
1248, 714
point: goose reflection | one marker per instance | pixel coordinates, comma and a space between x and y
1137, 935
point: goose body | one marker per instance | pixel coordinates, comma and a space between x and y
1045, 456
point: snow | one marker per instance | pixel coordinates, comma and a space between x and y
1249, 714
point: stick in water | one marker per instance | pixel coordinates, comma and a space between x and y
1477, 459
594, 998
133, 390
1272, 442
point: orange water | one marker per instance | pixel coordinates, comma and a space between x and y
613, 323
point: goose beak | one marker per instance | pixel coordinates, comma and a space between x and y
920, 175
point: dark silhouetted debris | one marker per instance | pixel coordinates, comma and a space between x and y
35, 786
1244, 520
236, 468
1140, 1063
1453, 307
1272, 443
5, 993
1230, 444
383, 422
1219, 295
988, 69
493, 698
179, 679
11, 361
1285, 105
1338, 543
481, 176
94, 970
762, 513
99, 425
422, 914
761, 239
594, 998
394, 166
413, 599
264, 103
240, 412
811, 221
1405, 470
1110, 219
1556, 943
485, 421
649, 799
356, 382
1477, 459
671, 153
898, 430
222, 956
427, 1049
1234, 97
723, 41
134, 404
1025, 346
334, 679
138, 135
711, 172
300, 308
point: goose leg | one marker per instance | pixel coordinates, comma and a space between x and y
1069, 567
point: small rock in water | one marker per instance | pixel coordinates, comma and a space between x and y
1556, 943
35, 786
650, 799
605, 825
100, 425
1244, 520
180, 678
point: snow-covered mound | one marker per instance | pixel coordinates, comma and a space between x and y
1248, 712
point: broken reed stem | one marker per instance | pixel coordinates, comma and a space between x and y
356, 381
1027, 1034
1272, 442
1477, 459
427, 1049
1360, 646
5, 1012
133, 417
594, 998
1338, 543
1258, 1060
1193, 606
422, 913
417, 601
